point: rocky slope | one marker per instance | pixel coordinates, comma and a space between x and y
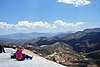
59, 52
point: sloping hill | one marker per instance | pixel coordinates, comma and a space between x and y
37, 61
59, 52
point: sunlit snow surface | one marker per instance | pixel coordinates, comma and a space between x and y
37, 61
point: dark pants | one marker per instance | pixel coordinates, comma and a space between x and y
2, 50
14, 56
24, 56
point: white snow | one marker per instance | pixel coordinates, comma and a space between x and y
6, 61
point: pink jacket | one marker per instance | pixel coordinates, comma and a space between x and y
18, 54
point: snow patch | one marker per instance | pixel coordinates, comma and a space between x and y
6, 61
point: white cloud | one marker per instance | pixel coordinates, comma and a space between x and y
79, 24
21, 29
23, 24
43, 25
37, 24
40, 26
66, 24
76, 3
46, 25
5, 25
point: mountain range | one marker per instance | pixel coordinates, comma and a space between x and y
33, 35
86, 42
88, 38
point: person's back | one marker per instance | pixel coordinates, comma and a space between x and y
18, 54
2, 49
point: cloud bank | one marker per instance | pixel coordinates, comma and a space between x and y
5, 25
76, 3
40, 26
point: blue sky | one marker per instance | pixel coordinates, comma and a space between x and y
48, 15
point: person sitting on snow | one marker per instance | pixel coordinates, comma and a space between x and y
13, 52
20, 56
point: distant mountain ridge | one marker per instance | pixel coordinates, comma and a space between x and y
84, 40
92, 30
33, 35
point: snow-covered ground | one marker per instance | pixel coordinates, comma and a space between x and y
6, 61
